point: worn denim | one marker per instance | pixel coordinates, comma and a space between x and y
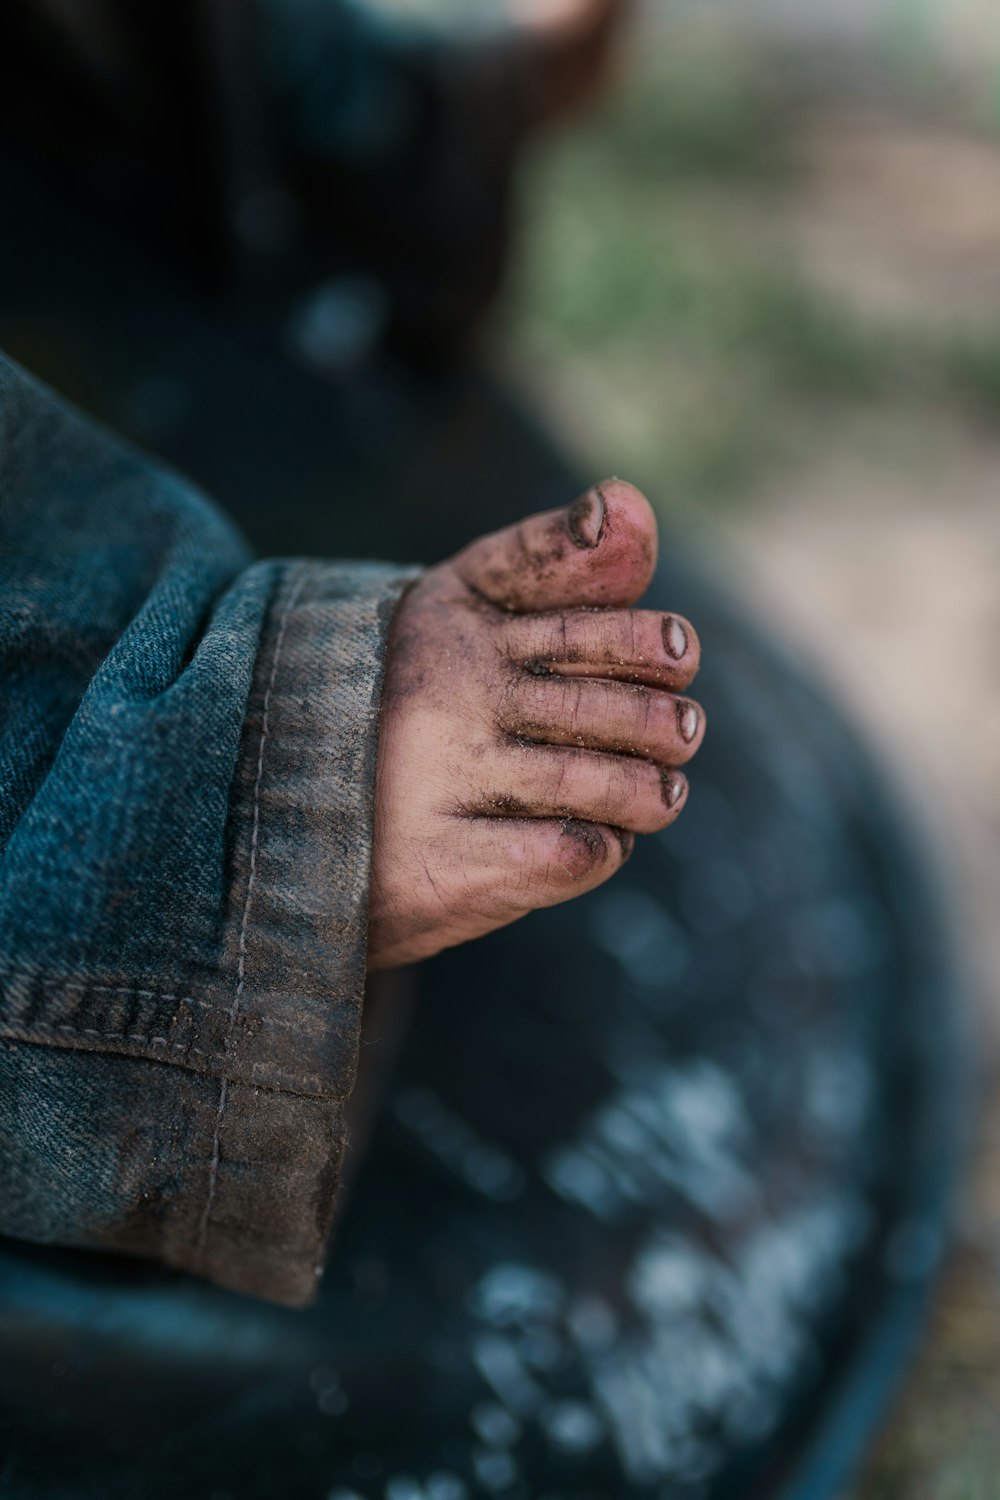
187, 756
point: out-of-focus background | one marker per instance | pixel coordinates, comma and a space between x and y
768, 272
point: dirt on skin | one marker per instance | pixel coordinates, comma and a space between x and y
585, 525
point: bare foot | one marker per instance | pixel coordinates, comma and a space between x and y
531, 725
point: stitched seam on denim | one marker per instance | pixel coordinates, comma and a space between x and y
283, 1083
234, 1010
84, 987
103, 989
142, 1039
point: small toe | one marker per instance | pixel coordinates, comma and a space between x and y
543, 861
565, 782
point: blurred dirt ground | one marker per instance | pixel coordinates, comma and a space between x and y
764, 283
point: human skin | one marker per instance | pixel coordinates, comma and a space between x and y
533, 723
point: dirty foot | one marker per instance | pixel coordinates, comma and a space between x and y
532, 725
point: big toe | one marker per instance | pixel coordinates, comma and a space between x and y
601, 550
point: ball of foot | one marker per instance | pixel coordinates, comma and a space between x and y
533, 723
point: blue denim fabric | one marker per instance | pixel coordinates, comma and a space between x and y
187, 752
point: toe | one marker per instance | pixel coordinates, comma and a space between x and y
637, 645
565, 782
535, 862
599, 551
598, 715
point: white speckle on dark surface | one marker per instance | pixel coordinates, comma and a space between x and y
634, 928
710, 1342
403, 1487
494, 1425
481, 1165
543, 1350
443, 1485
338, 324
495, 1470
511, 1292
501, 1366
592, 1324
572, 1427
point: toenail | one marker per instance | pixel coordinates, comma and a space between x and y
586, 519
688, 720
626, 838
674, 637
674, 786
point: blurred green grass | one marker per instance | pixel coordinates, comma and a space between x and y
660, 308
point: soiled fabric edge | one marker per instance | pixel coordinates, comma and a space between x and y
301, 831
